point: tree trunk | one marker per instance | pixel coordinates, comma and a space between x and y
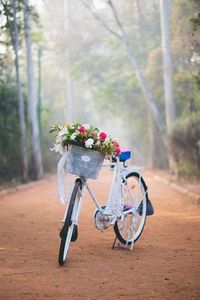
157, 150
15, 42
140, 76
147, 92
156, 145
138, 71
32, 99
13, 28
168, 69
70, 112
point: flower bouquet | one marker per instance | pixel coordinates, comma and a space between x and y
86, 136
87, 147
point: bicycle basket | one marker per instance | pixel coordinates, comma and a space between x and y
84, 162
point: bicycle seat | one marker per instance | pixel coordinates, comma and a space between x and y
125, 155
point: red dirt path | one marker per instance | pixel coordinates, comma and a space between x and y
165, 263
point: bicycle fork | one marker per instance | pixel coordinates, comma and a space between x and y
75, 214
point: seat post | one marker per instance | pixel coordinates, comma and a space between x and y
125, 164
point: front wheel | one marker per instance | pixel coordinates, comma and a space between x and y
129, 227
69, 230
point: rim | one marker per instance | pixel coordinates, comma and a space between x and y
67, 241
131, 225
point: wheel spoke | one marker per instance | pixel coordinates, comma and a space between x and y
129, 228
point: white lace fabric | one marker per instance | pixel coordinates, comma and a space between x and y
64, 180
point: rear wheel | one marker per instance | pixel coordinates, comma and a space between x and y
69, 231
134, 193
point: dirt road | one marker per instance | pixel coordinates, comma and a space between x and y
165, 263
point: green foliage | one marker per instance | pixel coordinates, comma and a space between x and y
195, 20
49, 158
185, 145
182, 50
11, 165
111, 79
10, 159
185, 136
154, 73
196, 78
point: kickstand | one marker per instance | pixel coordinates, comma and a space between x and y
117, 245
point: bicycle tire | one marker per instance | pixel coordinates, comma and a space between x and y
140, 215
67, 230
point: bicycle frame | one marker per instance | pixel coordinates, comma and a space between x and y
125, 209
119, 175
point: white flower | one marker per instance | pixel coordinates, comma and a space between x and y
63, 131
97, 143
57, 148
89, 143
86, 126
73, 136
58, 139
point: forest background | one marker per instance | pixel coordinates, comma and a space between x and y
130, 67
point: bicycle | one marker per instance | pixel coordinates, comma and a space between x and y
125, 210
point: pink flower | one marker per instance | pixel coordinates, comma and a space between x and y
81, 129
116, 144
102, 136
118, 151
117, 148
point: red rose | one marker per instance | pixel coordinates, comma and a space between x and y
102, 136
81, 129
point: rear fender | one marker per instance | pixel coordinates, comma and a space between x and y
133, 169
138, 170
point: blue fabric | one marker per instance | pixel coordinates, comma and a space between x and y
125, 155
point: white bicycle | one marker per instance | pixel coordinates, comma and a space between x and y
125, 210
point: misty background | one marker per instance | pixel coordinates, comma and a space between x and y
128, 67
